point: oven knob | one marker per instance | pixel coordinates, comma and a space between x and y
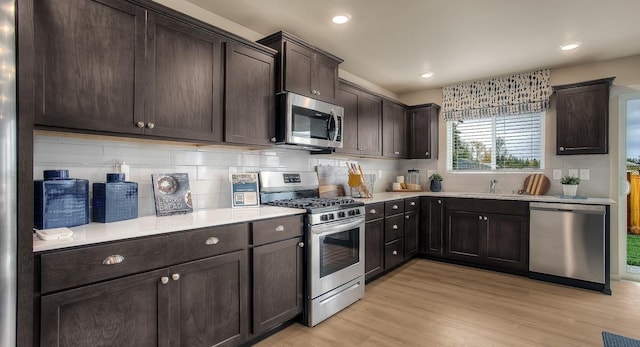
331, 216
341, 214
357, 211
324, 217
352, 213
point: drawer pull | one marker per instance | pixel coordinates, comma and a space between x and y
485, 218
480, 217
395, 207
280, 228
413, 203
212, 241
395, 252
300, 244
394, 227
164, 279
439, 202
175, 277
113, 259
373, 211
407, 216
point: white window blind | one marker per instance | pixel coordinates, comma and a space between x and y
514, 142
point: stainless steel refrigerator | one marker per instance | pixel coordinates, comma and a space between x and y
8, 175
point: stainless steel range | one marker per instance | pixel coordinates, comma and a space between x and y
335, 238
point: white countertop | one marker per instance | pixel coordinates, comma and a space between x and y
151, 225
386, 196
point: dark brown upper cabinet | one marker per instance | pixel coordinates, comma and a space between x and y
304, 69
184, 81
423, 131
582, 112
362, 124
89, 65
394, 130
249, 95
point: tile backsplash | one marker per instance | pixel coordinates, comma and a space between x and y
208, 167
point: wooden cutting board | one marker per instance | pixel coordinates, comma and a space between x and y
536, 184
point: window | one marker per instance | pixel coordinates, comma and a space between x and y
514, 142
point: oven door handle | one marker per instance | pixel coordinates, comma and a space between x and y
339, 227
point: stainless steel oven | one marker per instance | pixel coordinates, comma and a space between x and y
334, 237
308, 122
336, 265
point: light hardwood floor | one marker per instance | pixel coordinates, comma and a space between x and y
428, 303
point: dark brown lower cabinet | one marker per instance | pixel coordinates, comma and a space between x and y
507, 242
277, 283
131, 311
208, 301
491, 233
201, 303
431, 232
373, 248
393, 253
410, 234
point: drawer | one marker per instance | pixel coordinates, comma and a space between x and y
393, 253
276, 229
393, 227
393, 207
411, 204
65, 269
374, 211
206, 242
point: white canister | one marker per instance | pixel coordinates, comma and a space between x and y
396, 186
399, 179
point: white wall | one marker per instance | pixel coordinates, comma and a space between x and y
92, 157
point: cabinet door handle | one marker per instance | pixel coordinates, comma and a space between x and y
150, 125
561, 149
439, 202
396, 153
113, 259
301, 244
413, 203
212, 241
395, 207
407, 216
426, 153
273, 139
140, 124
175, 277
395, 252
372, 211
480, 217
164, 279
485, 218
280, 228
394, 227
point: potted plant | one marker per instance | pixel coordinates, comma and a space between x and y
436, 182
570, 185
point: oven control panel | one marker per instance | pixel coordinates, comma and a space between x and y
336, 215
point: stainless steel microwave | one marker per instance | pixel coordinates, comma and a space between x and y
307, 122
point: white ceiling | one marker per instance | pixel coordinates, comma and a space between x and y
390, 43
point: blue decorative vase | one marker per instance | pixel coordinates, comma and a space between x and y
115, 200
60, 201
435, 186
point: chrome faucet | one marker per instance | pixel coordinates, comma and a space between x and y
492, 187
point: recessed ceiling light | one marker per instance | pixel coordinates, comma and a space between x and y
570, 46
341, 18
426, 74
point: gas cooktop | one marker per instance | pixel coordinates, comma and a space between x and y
314, 202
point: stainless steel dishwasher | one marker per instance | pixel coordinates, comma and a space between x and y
569, 241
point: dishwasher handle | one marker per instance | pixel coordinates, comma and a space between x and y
578, 208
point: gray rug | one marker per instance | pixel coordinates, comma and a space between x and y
613, 340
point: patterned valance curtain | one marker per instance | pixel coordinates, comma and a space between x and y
527, 92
